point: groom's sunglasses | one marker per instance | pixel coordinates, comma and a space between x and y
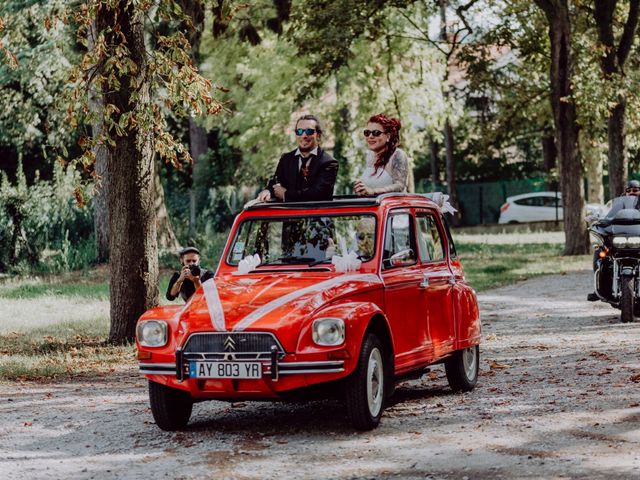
375, 133
307, 131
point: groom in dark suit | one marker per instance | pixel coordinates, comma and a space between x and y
308, 173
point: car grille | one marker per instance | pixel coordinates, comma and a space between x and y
231, 346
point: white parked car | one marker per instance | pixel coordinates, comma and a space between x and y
540, 207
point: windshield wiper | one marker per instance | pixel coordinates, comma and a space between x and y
318, 262
296, 259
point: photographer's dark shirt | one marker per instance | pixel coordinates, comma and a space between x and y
188, 288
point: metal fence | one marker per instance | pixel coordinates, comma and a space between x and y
479, 203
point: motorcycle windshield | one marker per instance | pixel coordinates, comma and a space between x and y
625, 229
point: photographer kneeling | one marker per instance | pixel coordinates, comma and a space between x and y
190, 277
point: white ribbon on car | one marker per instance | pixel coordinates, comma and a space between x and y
348, 261
214, 305
267, 308
248, 263
442, 200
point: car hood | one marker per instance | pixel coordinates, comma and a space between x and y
251, 302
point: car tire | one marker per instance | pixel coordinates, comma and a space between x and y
626, 299
462, 369
171, 408
365, 390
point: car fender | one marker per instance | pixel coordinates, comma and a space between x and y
357, 317
467, 316
170, 314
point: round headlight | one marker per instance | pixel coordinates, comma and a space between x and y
152, 333
328, 331
620, 242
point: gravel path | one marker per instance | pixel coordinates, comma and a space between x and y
558, 397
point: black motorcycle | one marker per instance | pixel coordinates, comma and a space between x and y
616, 239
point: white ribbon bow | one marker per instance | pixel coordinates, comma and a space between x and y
348, 261
248, 263
442, 200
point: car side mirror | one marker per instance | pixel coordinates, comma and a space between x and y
402, 258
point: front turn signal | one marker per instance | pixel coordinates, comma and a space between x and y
144, 355
603, 253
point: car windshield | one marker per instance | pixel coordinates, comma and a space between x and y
304, 240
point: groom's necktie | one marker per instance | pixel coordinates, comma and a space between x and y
303, 173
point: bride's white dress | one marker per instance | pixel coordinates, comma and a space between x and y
375, 180
382, 179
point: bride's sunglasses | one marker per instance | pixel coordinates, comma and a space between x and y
375, 133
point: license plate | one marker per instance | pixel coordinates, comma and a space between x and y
225, 370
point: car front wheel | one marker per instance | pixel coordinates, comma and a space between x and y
462, 369
365, 390
171, 408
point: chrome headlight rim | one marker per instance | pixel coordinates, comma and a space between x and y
328, 331
152, 333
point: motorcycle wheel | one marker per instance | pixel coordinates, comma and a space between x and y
626, 299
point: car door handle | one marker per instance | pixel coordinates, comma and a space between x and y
451, 279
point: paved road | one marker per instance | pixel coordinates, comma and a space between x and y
556, 399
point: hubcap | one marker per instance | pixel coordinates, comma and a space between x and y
375, 382
470, 362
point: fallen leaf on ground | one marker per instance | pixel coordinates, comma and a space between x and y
493, 365
599, 355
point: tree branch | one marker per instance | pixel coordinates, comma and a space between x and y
460, 11
424, 34
626, 41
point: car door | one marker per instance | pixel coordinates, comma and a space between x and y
529, 209
402, 275
438, 281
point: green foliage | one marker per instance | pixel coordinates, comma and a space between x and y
283, 76
42, 226
31, 118
165, 75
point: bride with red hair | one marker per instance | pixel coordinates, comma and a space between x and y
387, 166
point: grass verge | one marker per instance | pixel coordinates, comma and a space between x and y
489, 266
62, 350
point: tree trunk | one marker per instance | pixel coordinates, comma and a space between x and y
101, 196
566, 126
435, 167
167, 240
618, 164
612, 65
194, 9
197, 147
549, 151
593, 162
450, 167
450, 164
131, 171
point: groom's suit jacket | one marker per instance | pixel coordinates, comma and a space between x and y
319, 181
